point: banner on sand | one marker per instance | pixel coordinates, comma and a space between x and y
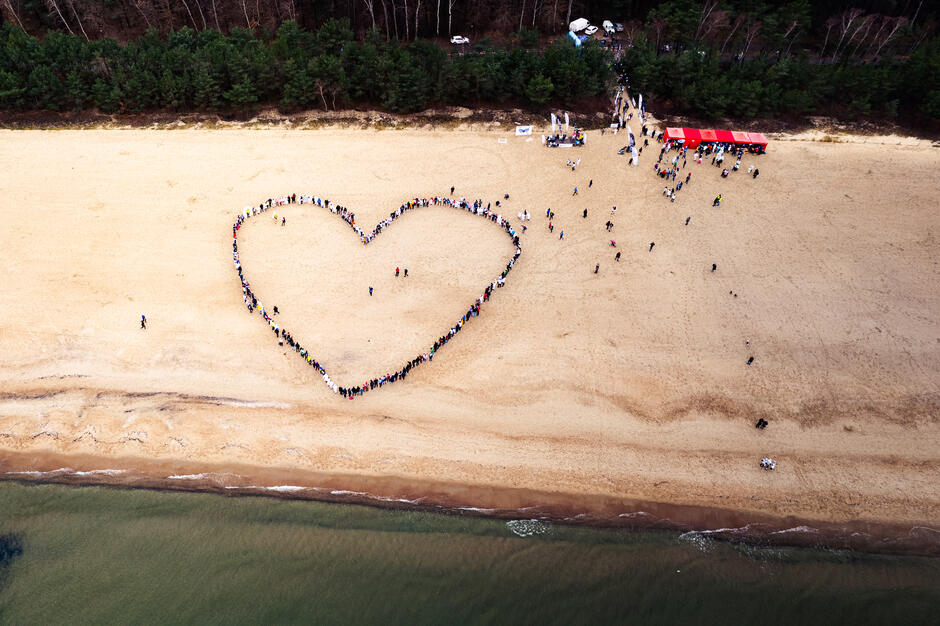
554, 124
523, 131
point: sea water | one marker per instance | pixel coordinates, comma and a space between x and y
81, 555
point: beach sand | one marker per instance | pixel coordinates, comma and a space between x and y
602, 390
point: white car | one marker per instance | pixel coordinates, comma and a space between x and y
608, 27
618, 27
458, 40
590, 30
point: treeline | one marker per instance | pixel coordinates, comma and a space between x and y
294, 68
703, 84
747, 59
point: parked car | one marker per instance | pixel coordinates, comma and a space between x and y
608, 27
458, 40
590, 30
618, 27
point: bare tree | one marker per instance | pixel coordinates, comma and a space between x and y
658, 25
388, 34
865, 23
215, 13
753, 28
829, 24
708, 7
737, 24
195, 25
417, 13
52, 6
536, 9
897, 24
450, 16
203, 15
437, 28
9, 7
568, 14
245, 9
407, 36
370, 5
521, 14
846, 20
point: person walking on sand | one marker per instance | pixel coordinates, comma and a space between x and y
406, 272
584, 214
143, 322
275, 310
687, 220
451, 190
714, 266
597, 266
756, 172
575, 192
562, 235
617, 257
652, 243
396, 272
590, 183
283, 220
370, 291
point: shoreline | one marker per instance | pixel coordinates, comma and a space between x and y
619, 398
502, 503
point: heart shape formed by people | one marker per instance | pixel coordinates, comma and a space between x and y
253, 303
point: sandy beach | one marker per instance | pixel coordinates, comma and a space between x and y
602, 390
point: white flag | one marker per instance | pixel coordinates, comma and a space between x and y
636, 157
566, 121
554, 124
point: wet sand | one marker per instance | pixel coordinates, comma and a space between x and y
629, 386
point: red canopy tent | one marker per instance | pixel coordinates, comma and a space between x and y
692, 137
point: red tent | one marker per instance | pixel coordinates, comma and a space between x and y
692, 137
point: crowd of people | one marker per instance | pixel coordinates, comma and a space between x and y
283, 336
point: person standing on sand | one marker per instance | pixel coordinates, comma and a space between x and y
396, 272
143, 322
756, 172
562, 235
652, 243
597, 267
406, 272
584, 214
575, 192
370, 291
451, 190
617, 257
590, 183
714, 266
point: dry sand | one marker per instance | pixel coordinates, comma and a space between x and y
629, 385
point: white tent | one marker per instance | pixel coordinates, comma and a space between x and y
578, 24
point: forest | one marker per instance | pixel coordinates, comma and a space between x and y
875, 59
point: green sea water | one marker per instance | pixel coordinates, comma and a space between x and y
81, 555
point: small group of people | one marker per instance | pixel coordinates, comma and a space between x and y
253, 304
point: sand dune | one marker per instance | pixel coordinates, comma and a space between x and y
628, 385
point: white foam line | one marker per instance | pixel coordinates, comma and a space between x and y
188, 477
61, 470
105, 472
